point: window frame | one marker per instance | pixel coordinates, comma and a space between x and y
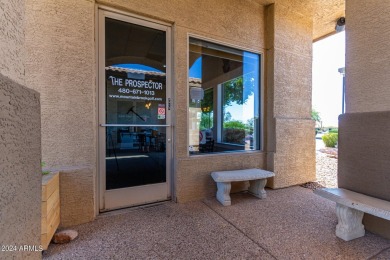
219, 109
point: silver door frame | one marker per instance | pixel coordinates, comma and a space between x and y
102, 13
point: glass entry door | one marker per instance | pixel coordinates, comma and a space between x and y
134, 111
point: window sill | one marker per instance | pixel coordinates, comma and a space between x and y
218, 154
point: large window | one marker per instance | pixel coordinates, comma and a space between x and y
224, 105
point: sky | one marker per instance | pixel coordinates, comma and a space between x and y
328, 57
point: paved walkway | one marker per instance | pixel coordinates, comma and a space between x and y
291, 223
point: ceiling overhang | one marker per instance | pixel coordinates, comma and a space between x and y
325, 15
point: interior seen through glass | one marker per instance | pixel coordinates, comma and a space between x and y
135, 100
224, 96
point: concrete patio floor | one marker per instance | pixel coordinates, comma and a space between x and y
291, 223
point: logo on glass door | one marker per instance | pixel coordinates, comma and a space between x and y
145, 88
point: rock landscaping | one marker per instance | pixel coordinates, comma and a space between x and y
326, 169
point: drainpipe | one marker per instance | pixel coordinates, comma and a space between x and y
342, 72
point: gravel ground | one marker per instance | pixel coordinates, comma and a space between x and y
326, 169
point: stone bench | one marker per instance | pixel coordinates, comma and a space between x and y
256, 177
350, 208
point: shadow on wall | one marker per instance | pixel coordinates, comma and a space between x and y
20, 169
364, 165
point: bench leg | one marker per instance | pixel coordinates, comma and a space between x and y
256, 188
350, 223
223, 193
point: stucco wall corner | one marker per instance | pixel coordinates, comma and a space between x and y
20, 169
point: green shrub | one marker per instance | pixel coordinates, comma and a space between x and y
330, 140
334, 130
235, 124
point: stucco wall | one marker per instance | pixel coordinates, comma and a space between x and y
195, 183
60, 64
364, 164
290, 134
230, 19
367, 90
76, 193
20, 169
192, 178
367, 56
12, 39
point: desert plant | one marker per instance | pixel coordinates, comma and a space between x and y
330, 140
44, 172
315, 115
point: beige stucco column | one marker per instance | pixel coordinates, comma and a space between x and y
290, 131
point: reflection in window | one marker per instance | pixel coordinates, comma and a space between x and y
136, 67
135, 103
224, 98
